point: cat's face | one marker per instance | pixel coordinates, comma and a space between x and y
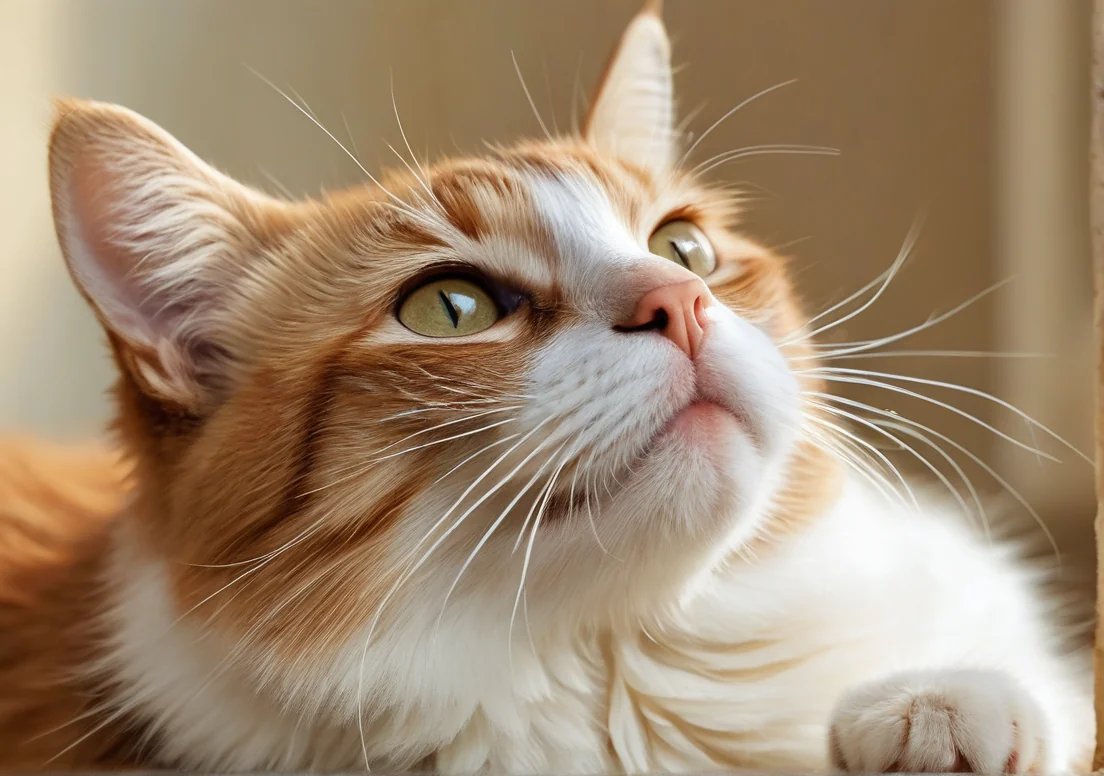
549, 378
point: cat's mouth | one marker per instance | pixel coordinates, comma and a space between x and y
701, 421
699, 411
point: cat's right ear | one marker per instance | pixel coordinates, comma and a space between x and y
632, 114
157, 241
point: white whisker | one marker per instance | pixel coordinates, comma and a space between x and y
406, 575
476, 454
529, 97
542, 495
300, 537
116, 715
435, 407
944, 405
765, 150
498, 521
876, 453
833, 372
683, 126
917, 433
349, 132
902, 256
397, 202
722, 119
368, 464
848, 348
1023, 502
911, 450
590, 515
420, 175
933, 354
529, 552
484, 413
842, 303
857, 459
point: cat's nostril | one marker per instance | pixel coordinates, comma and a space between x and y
660, 320
676, 311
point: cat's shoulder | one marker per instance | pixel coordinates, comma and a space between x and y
57, 503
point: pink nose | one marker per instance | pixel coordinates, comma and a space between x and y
676, 311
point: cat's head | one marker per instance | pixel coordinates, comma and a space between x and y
558, 362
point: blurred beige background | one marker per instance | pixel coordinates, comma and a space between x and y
973, 111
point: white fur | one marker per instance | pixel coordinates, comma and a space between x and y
938, 721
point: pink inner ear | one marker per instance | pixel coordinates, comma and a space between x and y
108, 271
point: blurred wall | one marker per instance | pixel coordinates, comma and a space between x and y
53, 366
969, 111
1042, 141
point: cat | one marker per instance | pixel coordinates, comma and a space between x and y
508, 464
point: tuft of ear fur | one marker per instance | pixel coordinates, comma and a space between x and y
632, 114
156, 241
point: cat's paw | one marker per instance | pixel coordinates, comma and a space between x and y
939, 722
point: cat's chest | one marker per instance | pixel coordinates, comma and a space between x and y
720, 687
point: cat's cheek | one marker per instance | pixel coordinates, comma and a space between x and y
742, 369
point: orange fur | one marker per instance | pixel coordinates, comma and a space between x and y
56, 505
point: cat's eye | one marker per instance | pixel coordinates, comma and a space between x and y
448, 307
684, 243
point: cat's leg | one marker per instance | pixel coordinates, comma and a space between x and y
977, 681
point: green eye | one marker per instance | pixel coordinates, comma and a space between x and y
684, 243
448, 307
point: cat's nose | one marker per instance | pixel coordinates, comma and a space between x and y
676, 311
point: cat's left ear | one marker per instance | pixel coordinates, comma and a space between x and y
162, 246
632, 114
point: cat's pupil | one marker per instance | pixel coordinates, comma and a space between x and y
677, 248
449, 308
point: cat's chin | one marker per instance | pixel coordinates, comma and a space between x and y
703, 435
703, 422
700, 434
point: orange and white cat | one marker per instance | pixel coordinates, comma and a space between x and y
509, 464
